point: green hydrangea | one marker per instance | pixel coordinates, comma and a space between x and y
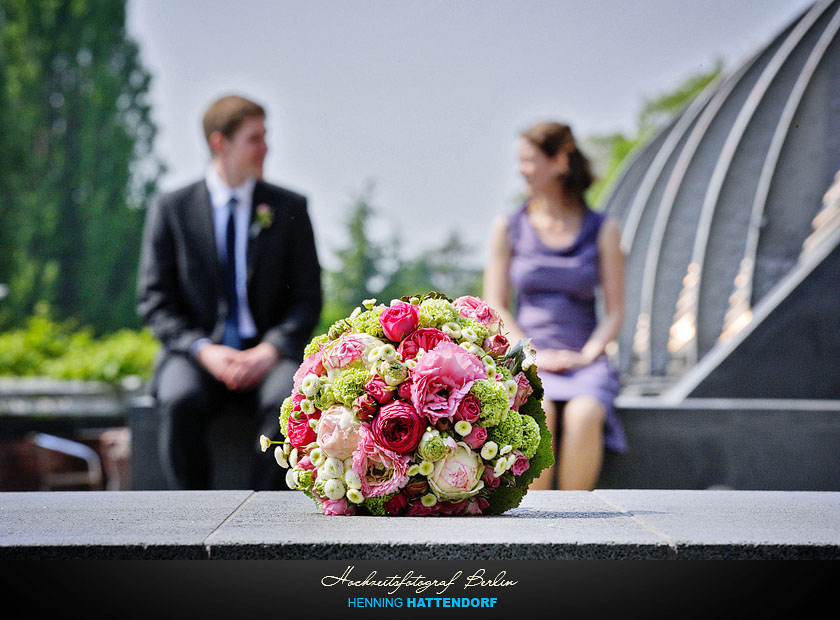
349, 384
477, 326
376, 505
530, 436
338, 328
436, 312
508, 431
493, 397
368, 322
505, 372
314, 344
285, 412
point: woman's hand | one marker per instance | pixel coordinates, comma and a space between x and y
560, 360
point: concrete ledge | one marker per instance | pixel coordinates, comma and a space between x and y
604, 524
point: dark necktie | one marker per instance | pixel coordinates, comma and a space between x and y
231, 336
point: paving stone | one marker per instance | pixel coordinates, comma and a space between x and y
108, 525
547, 525
738, 524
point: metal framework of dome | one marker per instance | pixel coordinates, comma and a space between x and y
730, 222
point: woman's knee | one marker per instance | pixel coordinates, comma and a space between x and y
583, 413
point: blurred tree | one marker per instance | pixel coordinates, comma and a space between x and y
371, 269
77, 166
359, 264
611, 153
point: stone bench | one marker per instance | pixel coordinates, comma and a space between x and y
548, 525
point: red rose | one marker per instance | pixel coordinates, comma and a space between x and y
398, 427
300, 433
426, 338
399, 320
396, 504
365, 407
414, 490
469, 409
379, 390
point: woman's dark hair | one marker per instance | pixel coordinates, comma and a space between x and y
555, 138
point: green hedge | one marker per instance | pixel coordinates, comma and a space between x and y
48, 348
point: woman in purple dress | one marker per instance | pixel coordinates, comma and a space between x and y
551, 254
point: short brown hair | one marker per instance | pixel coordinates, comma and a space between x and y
226, 115
554, 138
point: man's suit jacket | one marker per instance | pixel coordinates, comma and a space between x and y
181, 293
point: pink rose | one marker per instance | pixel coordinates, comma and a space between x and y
396, 505
300, 433
404, 390
469, 409
521, 464
297, 399
398, 427
310, 365
382, 471
379, 390
306, 463
478, 309
365, 407
338, 432
476, 437
399, 320
496, 345
489, 478
442, 379
426, 338
523, 391
476, 507
337, 507
348, 350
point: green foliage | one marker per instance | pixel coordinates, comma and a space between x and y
77, 165
611, 153
60, 350
506, 497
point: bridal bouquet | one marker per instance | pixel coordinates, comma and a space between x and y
421, 407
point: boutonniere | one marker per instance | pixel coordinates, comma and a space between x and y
263, 219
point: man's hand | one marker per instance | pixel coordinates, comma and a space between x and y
249, 367
216, 358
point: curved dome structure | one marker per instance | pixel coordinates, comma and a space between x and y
732, 234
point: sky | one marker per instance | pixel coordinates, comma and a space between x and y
420, 102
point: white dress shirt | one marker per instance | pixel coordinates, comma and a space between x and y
220, 195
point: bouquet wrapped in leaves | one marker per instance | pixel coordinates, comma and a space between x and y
419, 408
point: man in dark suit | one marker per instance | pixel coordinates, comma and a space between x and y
229, 282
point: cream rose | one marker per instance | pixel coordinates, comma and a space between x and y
457, 476
338, 432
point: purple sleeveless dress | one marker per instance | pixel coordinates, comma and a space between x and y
555, 296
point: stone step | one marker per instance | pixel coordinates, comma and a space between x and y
548, 525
